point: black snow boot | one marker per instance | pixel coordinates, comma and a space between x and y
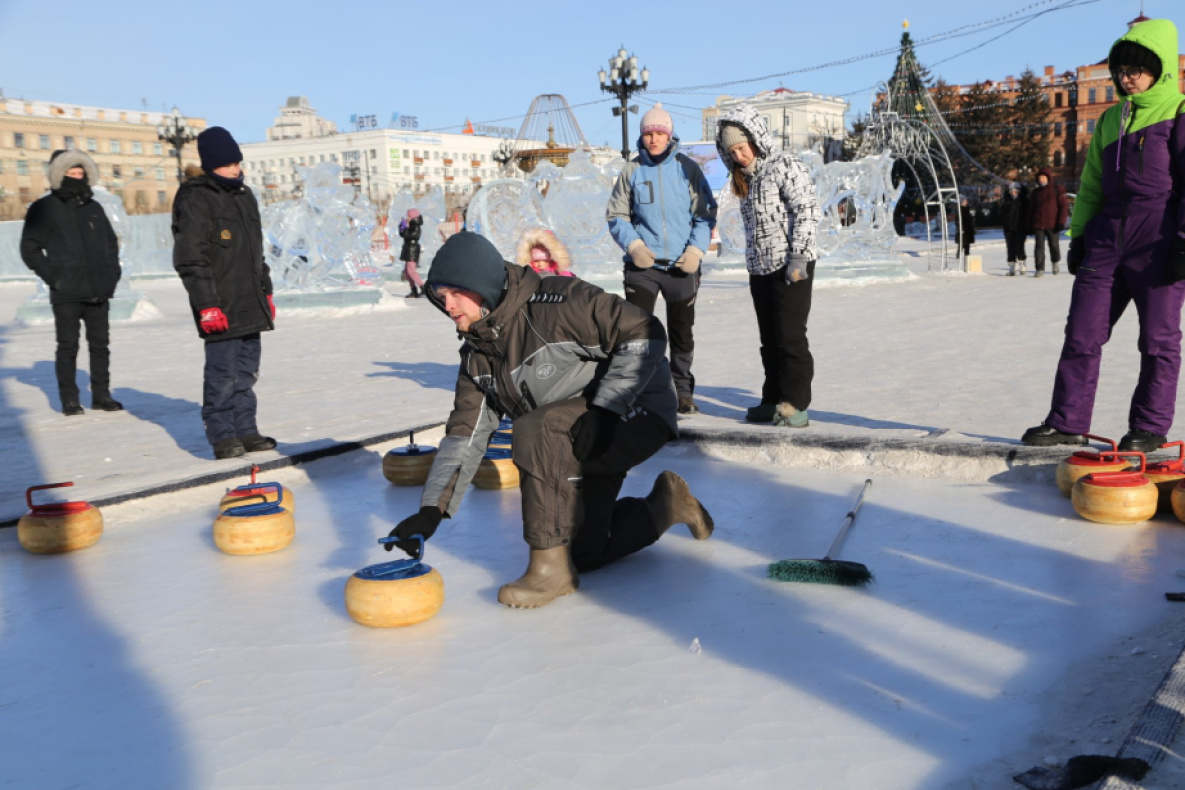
1138, 440
228, 448
1047, 436
104, 402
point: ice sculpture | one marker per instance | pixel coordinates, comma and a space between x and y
321, 243
432, 208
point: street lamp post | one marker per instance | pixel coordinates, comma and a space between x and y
175, 131
623, 81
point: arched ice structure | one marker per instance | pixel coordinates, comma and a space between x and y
856, 234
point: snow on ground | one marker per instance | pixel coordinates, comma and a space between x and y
1002, 629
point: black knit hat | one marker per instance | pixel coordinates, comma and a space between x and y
1131, 54
470, 261
217, 149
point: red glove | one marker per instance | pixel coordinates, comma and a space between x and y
213, 320
271, 306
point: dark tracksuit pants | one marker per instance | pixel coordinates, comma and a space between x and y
1014, 242
678, 289
782, 312
1042, 237
93, 315
567, 503
228, 395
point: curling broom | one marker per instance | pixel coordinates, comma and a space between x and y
826, 570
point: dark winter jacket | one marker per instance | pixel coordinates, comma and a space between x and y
1014, 213
1048, 207
1128, 207
781, 212
410, 234
70, 244
549, 339
218, 251
966, 225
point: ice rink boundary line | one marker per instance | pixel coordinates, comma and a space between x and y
926, 458
239, 471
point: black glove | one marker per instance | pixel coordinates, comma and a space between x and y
593, 433
1177, 262
423, 523
1076, 254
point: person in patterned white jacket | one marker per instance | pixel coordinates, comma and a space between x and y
781, 217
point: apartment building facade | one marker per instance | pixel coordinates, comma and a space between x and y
797, 120
133, 163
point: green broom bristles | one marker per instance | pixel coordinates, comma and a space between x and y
843, 572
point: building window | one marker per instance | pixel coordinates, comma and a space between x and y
405, 153
43, 140
162, 198
22, 167
1090, 126
92, 144
158, 149
1110, 94
1057, 99
1092, 95
68, 142
116, 171
138, 172
18, 140
1057, 129
116, 147
137, 147
160, 174
1057, 158
436, 155
374, 154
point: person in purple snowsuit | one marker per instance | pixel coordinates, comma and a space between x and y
1127, 244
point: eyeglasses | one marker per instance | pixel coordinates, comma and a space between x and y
1129, 73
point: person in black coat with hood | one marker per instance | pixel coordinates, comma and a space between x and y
218, 252
409, 230
1014, 219
69, 243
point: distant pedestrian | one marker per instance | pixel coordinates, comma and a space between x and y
542, 250
662, 213
409, 230
1048, 212
966, 227
1127, 245
781, 217
1014, 219
69, 243
218, 252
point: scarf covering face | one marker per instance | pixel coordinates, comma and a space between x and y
74, 190
229, 183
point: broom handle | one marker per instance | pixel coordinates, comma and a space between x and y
847, 522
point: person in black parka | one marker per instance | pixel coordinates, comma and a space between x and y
1014, 219
218, 252
409, 230
69, 243
966, 227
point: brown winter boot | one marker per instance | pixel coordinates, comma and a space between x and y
671, 502
550, 574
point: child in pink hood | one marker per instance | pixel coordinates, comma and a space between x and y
540, 249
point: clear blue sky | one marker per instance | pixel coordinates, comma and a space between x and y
234, 63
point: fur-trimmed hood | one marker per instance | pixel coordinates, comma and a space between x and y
62, 160
542, 237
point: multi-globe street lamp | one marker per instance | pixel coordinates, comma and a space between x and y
175, 131
624, 80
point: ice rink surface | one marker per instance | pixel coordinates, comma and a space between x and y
1000, 629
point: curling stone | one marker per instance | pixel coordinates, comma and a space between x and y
1116, 497
1166, 476
1085, 462
408, 466
497, 470
256, 528
272, 492
393, 594
58, 527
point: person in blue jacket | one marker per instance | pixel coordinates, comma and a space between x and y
662, 212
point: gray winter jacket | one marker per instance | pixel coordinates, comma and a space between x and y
781, 212
549, 339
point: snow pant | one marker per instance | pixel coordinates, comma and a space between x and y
1055, 252
782, 312
94, 316
228, 394
1106, 282
1014, 242
413, 275
566, 503
678, 289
